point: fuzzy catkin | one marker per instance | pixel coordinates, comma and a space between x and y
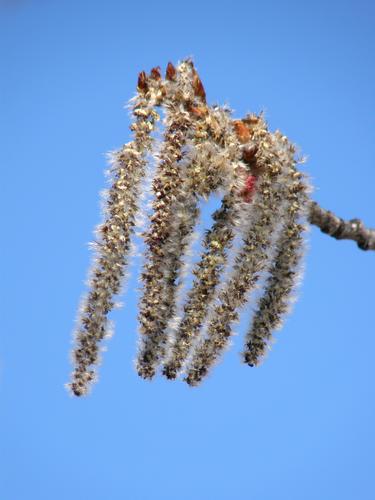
181, 234
167, 188
184, 212
207, 276
250, 261
258, 230
284, 271
217, 164
113, 244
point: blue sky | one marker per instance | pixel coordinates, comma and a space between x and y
301, 425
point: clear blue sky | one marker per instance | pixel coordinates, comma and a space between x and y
299, 427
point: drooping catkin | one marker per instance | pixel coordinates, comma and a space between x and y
284, 271
207, 276
182, 233
167, 186
113, 238
257, 232
198, 150
250, 261
218, 165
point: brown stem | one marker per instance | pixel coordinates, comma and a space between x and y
340, 229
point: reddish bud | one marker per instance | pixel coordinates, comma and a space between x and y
155, 73
248, 154
171, 72
198, 111
142, 82
249, 189
242, 131
198, 87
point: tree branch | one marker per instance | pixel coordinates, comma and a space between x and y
340, 229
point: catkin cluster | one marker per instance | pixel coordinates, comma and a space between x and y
203, 151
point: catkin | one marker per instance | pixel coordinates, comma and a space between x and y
207, 276
113, 238
249, 263
219, 166
167, 188
284, 271
257, 230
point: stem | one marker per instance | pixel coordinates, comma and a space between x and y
340, 229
